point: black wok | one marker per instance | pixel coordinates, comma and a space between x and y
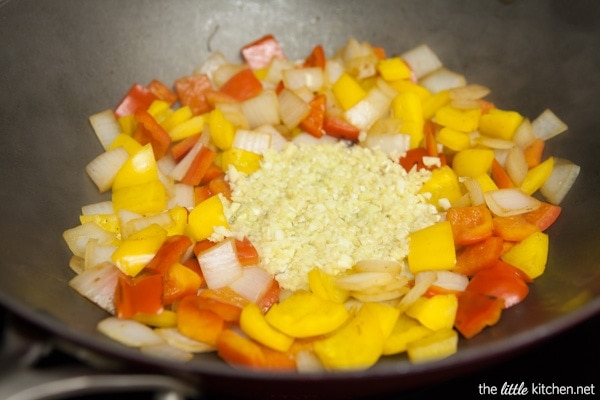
62, 61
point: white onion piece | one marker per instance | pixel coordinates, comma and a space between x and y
102, 207
308, 362
560, 181
262, 109
103, 169
183, 195
516, 165
166, 164
390, 143
309, 77
214, 61
364, 114
443, 79
422, 60
77, 237
176, 339
278, 141
129, 332
390, 266
451, 280
422, 282
495, 143
96, 254
475, 191
165, 351
511, 201
334, 68
363, 280
106, 126
253, 141
77, 264
307, 138
124, 216
98, 285
182, 167
379, 296
134, 225
547, 125
524, 134
224, 72
253, 283
469, 92
220, 265
275, 71
292, 109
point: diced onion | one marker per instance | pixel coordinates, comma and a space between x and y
103, 169
390, 143
106, 126
102, 207
449, 280
563, 176
443, 79
183, 195
308, 362
214, 61
262, 109
253, 141
224, 72
166, 164
422, 60
275, 71
220, 265
422, 282
524, 134
176, 339
96, 254
364, 113
508, 202
475, 191
547, 125
296, 78
134, 225
390, 266
469, 92
278, 142
77, 237
253, 283
363, 280
129, 332
292, 109
98, 285
166, 352
77, 264
516, 165
495, 143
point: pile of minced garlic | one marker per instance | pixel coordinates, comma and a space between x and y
327, 206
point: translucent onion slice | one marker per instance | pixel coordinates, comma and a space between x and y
77, 264
292, 109
422, 60
469, 92
220, 265
214, 61
253, 283
176, 339
363, 280
450, 280
547, 125
254, 141
516, 165
278, 141
390, 266
308, 362
102, 207
77, 237
262, 109
224, 72
390, 143
96, 254
380, 296
103, 169
364, 114
495, 143
508, 202
98, 284
311, 78
183, 195
166, 352
560, 181
524, 134
422, 282
106, 126
443, 79
179, 171
475, 191
275, 71
129, 332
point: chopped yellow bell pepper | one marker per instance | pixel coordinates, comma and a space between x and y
179, 215
530, 255
356, 345
133, 253
131, 145
255, 325
443, 184
222, 131
453, 139
139, 168
458, 119
473, 162
191, 127
405, 330
127, 124
434, 102
409, 86
536, 176
204, 217
108, 222
164, 319
178, 116
407, 107
348, 91
440, 344
160, 110
243, 160
304, 314
393, 69
386, 316
146, 198
432, 248
500, 123
436, 312
323, 285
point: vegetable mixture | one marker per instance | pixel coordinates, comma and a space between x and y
314, 214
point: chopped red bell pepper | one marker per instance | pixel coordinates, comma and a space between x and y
191, 91
199, 166
261, 52
313, 123
477, 256
475, 311
340, 128
150, 131
242, 85
246, 252
170, 252
162, 92
140, 294
137, 98
502, 281
316, 58
470, 224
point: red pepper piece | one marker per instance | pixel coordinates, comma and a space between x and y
313, 123
137, 98
261, 52
141, 294
242, 86
191, 91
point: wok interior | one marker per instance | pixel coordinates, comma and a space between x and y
63, 61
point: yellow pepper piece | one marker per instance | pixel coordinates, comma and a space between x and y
443, 184
177, 117
408, 108
356, 345
409, 86
386, 316
243, 160
139, 168
222, 131
500, 123
432, 248
127, 124
205, 217
393, 69
453, 139
473, 162
437, 312
486, 183
131, 145
530, 255
164, 319
304, 314
254, 324
434, 102
348, 91
457, 119
191, 127
323, 285
108, 222
440, 344
133, 253
160, 110
179, 215
536, 176
405, 330
146, 198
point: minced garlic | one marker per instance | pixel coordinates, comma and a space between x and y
327, 206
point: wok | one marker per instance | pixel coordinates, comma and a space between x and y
62, 61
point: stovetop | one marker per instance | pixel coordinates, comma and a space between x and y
32, 369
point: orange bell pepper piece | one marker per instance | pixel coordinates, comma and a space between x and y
141, 294
545, 215
514, 228
223, 301
242, 85
340, 128
533, 152
501, 281
150, 131
476, 311
169, 253
198, 323
219, 185
478, 256
180, 281
259, 53
246, 252
199, 166
162, 92
191, 89
316, 58
500, 176
313, 123
470, 224
181, 148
